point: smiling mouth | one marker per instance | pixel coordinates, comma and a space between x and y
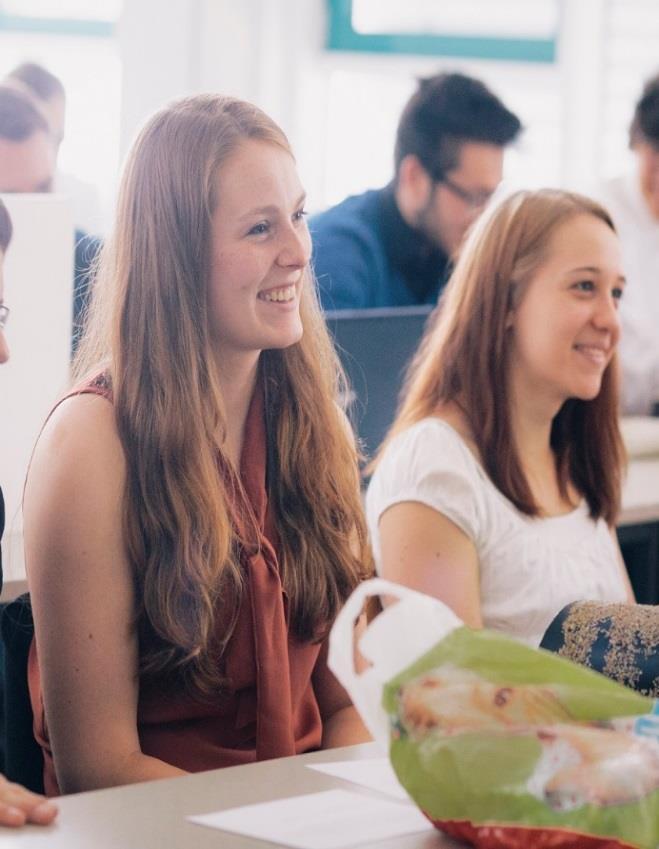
280, 296
598, 356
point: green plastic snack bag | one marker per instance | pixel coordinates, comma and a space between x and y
500, 744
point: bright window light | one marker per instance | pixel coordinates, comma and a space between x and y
507, 18
98, 10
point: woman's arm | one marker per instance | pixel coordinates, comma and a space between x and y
423, 549
342, 725
19, 806
344, 728
83, 599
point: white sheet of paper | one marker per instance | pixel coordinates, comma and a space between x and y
327, 820
374, 773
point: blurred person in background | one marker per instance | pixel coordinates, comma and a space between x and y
27, 155
633, 201
27, 165
395, 246
48, 95
17, 805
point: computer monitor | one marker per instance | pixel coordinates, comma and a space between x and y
375, 347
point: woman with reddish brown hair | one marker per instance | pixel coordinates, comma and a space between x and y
498, 486
192, 511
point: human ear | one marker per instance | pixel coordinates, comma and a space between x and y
513, 300
414, 180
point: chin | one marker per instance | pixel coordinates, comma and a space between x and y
285, 341
587, 393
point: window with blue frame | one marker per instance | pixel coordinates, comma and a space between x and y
508, 30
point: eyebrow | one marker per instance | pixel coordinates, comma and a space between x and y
271, 210
593, 269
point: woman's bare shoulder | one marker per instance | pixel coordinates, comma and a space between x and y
79, 442
82, 421
74, 495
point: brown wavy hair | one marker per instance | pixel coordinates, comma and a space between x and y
148, 327
465, 354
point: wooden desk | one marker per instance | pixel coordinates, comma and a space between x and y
153, 815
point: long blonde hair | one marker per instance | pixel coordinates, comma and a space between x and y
148, 328
465, 356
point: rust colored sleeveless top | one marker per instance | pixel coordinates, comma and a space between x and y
278, 684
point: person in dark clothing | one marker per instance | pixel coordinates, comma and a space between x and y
17, 805
395, 246
27, 165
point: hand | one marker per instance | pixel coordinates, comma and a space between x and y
19, 806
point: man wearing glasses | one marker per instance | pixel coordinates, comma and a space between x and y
395, 246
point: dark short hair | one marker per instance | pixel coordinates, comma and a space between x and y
444, 112
19, 118
645, 123
41, 82
6, 228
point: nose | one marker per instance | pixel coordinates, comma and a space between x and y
607, 316
4, 348
296, 246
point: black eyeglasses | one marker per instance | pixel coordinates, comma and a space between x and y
4, 316
474, 200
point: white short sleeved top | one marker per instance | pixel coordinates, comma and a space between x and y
530, 568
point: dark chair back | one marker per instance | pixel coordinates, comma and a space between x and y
375, 347
23, 756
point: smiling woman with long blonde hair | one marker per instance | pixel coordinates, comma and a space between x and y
498, 486
192, 514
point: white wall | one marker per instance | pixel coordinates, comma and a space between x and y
266, 51
272, 53
38, 288
181, 47
159, 47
